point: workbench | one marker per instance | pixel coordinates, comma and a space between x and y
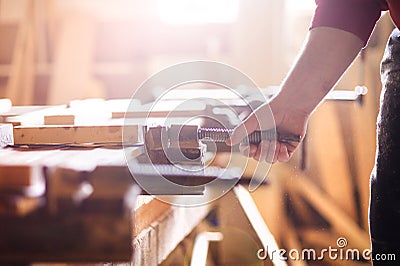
74, 199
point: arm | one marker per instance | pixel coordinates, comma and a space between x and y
326, 55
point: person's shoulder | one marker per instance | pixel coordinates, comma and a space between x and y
384, 4
394, 8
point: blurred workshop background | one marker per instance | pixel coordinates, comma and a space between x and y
55, 51
58, 50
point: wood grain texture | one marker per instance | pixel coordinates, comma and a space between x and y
74, 134
160, 227
59, 119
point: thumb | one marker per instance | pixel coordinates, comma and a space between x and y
242, 130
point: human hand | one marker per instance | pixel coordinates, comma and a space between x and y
287, 121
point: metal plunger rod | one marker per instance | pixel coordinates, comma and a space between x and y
222, 134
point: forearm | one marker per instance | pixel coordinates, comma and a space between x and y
326, 55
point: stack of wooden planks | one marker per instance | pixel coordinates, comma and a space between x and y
66, 193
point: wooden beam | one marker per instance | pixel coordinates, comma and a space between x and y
326, 144
258, 224
20, 85
327, 207
59, 119
172, 225
291, 241
71, 76
200, 248
75, 134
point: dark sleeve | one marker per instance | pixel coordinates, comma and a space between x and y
355, 16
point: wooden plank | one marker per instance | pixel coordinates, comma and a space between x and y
359, 125
327, 207
75, 134
163, 109
91, 111
150, 114
273, 212
83, 112
291, 241
258, 224
201, 245
30, 115
26, 79
145, 247
241, 243
59, 119
148, 210
327, 145
183, 252
20, 85
160, 227
71, 76
301, 210
175, 225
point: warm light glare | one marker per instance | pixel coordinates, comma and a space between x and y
198, 11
